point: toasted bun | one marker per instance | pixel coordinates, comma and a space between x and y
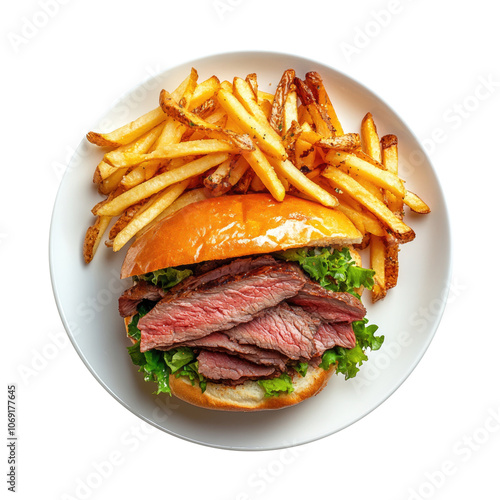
250, 396
234, 226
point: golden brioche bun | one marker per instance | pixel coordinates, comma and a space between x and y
234, 226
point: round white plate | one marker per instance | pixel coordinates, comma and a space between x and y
86, 295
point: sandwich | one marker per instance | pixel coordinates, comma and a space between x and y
244, 303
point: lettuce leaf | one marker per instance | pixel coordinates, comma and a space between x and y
277, 386
349, 360
333, 269
166, 278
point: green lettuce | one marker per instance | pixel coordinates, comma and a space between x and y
333, 269
349, 360
277, 386
166, 278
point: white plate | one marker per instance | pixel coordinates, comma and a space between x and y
87, 295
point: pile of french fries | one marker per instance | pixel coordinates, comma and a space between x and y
216, 138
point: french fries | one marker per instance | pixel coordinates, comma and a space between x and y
214, 138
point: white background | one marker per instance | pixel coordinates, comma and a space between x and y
435, 63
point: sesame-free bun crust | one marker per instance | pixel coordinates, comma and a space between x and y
234, 226
249, 396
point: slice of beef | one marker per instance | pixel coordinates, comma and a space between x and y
220, 367
328, 305
329, 335
130, 298
218, 305
232, 268
284, 328
218, 341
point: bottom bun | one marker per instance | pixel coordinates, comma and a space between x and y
250, 396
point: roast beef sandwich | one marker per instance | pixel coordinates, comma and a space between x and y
244, 303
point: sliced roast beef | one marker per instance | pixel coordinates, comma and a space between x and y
328, 305
224, 367
232, 268
221, 342
218, 305
329, 335
284, 328
142, 290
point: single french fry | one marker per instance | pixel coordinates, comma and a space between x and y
261, 166
370, 139
415, 203
290, 110
355, 166
283, 88
196, 147
319, 117
93, 237
297, 179
133, 130
377, 263
250, 125
117, 205
129, 132
305, 154
346, 142
315, 83
144, 217
251, 79
340, 179
203, 92
245, 95
183, 200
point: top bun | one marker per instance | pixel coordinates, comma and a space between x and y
234, 226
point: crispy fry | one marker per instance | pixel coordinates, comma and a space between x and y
377, 263
358, 192
346, 142
144, 217
251, 79
93, 237
356, 166
280, 96
304, 184
290, 111
321, 120
243, 92
203, 92
369, 138
250, 125
261, 166
117, 205
183, 200
196, 147
315, 83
